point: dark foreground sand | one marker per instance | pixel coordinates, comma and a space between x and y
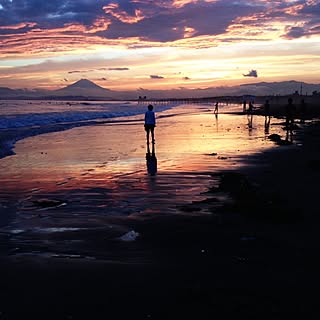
256, 258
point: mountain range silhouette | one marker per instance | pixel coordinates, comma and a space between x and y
85, 88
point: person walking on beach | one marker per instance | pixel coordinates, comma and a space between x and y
216, 109
303, 111
250, 109
244, 106
267, 116
267, 109
290, 111
250, 114
150, 123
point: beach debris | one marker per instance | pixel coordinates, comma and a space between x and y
48, 203
277, 139
274, 137
213, 154
61, 183
129, 236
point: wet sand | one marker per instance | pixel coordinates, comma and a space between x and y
222, 231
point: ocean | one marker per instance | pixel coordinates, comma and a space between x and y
22, 118
75, 175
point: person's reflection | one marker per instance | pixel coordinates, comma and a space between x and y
250, 115
289, 135
266, 125
216, 122
250, 121
151, 160
267, 116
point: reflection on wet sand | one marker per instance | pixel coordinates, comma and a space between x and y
151, 160
267, 121
56, 182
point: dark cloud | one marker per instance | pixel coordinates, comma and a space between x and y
80, 71
153, 20
308, 17
148, 20
295, 32
156, 77
186, 78
50, 14
168, 24
251, 73
118, 69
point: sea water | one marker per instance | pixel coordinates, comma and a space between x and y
22, 118
81, 169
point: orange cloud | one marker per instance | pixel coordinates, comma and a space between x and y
123, 16
19, 26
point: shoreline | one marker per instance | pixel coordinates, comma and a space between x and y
230, 262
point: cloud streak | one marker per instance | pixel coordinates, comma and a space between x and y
153, 76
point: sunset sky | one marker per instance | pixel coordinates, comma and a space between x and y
160, 44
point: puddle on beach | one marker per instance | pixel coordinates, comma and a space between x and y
73, 185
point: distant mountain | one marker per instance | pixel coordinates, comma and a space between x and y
254, 89
4, 91
279, 88
84, 88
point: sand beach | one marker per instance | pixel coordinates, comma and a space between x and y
225, 222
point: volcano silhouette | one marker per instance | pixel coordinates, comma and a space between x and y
83, 87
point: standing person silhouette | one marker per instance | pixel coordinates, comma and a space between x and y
290, 113
303, 111
250, 114
244, 106
267, 109
216, 109
150, 123
267, 116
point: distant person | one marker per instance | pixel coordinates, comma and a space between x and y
267, 116
150, 123
250, 109
303, 111
266, 108
250, 115
216, 109
290, 113
244, 106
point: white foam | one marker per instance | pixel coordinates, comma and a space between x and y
129, 236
